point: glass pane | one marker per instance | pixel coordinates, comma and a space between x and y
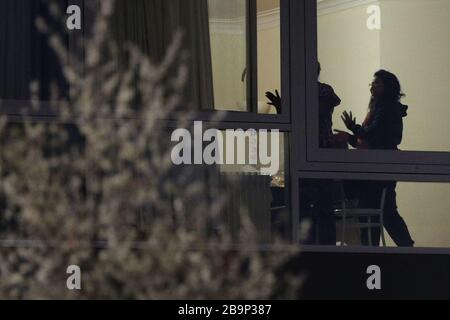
413, 213
269, 54
203, 193
228, 27
258, 185
214, 45
405, 38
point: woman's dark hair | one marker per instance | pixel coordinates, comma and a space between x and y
392, 87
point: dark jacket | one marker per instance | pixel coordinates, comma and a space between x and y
384, 127
328, 100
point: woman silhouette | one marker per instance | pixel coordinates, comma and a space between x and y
382, 129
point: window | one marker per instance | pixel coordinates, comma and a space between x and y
232, 47
269, 53
418, 169
352, 46
387, 38
413, 213
229, 54
259, 184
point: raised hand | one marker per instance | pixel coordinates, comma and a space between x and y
349, 120
275, 100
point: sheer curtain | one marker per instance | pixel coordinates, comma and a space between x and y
151, 24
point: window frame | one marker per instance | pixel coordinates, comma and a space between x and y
228, 119
298, 27
250, 116
309, 161
252, 120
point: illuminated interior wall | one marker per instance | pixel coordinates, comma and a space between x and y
413, 44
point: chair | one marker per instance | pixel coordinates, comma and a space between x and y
347, 211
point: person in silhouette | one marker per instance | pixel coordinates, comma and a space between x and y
317, 195
382, 129
328, 101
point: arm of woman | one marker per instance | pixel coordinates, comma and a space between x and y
374, 131
343, 138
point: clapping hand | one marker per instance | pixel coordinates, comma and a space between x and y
275, 100
349, 121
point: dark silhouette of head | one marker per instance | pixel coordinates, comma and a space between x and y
386, 86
